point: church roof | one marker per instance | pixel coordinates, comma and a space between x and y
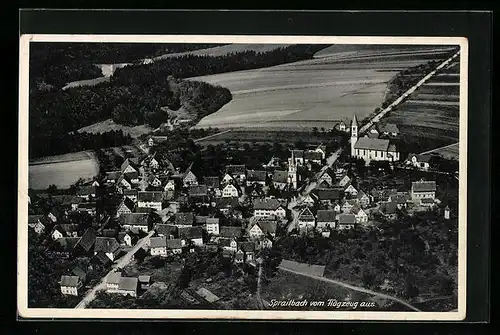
367, 143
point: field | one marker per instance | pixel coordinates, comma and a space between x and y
324, 89
62, 171
448, 152
225, 50
431, 114
108, 125
285, 286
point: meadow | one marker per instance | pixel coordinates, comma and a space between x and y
109, 124
332, 86
62, 171
225, 50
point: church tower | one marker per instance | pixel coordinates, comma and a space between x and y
354, 133
292, 172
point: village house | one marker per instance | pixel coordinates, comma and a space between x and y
57, 233
169, 186
113, 282
423, 190
239, 257
136, 221
309, 200
128, 286
126, 207
189, 179
341, 126
174, 246
256, 177
230, 191
373, 133
312, 156
266, 243
421, 162
86, 242
35, 223
344, 180
427, 202
306, 219
268, 207
107, 245
400, 198
70, 285
328, 196
346, 221
86, 192
128, 166
87, 207
184, 219
351, 190
229, 244
212, 226
111, 177
262, 228
364, 199
325, 219
191, 234
131, 194
280, 179
227, 179
226, 205
230, 232
144, 282
389, 209
326, 178
360, 214
348, 205
155, 140
297, 157
198, 194
70, 229
213, 185
322, 150
158, 246
237, 172
124, 183
388, 129
248, 249
167, 230
154, 181
127, 239
150, 199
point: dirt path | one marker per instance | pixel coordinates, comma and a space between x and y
210, 136
440, 148
125, 260
354, 288
396, 102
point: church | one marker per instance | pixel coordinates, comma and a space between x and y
371, 149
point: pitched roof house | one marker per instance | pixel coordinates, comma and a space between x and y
211, 182
184, 219
108, 245
256, 176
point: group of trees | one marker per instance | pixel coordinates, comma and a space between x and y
416, 254
47, 145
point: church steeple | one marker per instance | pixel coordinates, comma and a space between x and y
354, 133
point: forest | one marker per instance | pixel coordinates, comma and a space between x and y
414, 255
56, 64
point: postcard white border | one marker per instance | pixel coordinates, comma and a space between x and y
22, 271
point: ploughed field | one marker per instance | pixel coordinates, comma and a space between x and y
317, 92
431, 114
62, 170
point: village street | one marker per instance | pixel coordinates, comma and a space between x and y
354, 288
310, 187
124, 261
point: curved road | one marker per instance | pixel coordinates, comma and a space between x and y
354, 288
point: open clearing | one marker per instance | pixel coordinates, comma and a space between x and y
285, 285
449, 152
432, 112
108, 125
225, 50
327, 88
62, 171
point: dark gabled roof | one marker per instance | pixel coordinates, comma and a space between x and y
143, 210
230, 232
131, 175
32, 219
190, 232
150, 196
80, 273
102, 258
174, 244
68, 243
134, 219
267, 226
158, 242
109, 232
198, 219
87, 240
325, 215
366, 143
270, 204
66, 200
130, 192
427, 201
227, 202
127, 284
246, 246
313, 155
113, 175
106, 244
423, 186
166, 229
236, 169
114, 278
198, 190
126, 163
69, 281
184, 218
389, 207
212, 221
329, 193
86, 190
298, 153
256, 175
212, 182
347, 219
129, 203
280, 177
400, 198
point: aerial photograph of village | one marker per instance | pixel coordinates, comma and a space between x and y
280, 177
